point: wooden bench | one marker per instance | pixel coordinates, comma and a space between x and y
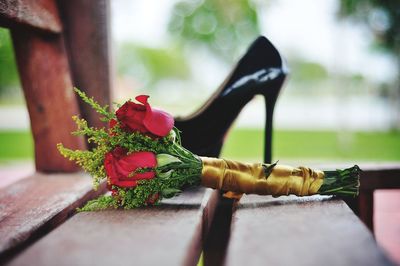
309, 231
170, 234
374, 176
315, 230
65, 43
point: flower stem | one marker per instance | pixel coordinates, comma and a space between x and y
344, 182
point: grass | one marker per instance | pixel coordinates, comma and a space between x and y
16, 145
247, 144
315, 145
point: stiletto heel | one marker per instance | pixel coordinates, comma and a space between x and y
260, 71
269, 107
270, 100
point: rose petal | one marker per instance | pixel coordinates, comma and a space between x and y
126, 183
143, 159
142, 99
131, 116
118, 166
156, 121
145, 175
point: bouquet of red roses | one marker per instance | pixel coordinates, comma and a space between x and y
141, 157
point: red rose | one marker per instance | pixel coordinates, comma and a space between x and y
119, 167
142, 118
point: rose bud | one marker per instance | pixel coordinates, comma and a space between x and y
143, 118
120, 167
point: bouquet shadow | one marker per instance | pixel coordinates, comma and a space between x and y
256, 201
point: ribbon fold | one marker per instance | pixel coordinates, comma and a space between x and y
236, 178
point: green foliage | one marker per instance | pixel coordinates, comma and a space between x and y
103, 202
185, 170
91, 161
103, 110
306, 71
381, 17
155, 63
8, 70
146, 189
224, 26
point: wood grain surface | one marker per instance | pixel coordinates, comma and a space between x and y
46, 81
86, 25
33, 206
39, 14
373, 176
313, 230
380, 177
169, 234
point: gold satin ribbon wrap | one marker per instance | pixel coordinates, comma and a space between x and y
237, 178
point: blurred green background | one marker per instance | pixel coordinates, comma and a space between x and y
246, 144
341, 102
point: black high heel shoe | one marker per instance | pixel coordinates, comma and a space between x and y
260, 71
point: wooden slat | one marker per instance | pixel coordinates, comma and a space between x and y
366, 208
300, 231
87, 37
40, 14
170, 234
374, 176
380, 177
35, 205
45, 78
218, 237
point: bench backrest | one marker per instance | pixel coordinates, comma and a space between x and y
58, 46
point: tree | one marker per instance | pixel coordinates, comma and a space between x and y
382, 17
224, 26
155, 63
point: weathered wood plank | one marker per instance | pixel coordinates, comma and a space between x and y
374, 176
86, 25
169, 234
35, 205
46, 80
13, 173
40, 14
366, 208
380, 177
217, 240
300, 231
